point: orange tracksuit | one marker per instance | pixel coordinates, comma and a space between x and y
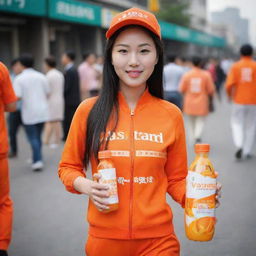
149, 152
241, 82
7, 96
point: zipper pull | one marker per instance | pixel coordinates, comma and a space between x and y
132, 112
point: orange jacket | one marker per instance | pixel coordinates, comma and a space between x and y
149, 153
196, 85
241, 81
7, 96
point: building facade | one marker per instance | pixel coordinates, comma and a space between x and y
44, 27
232, 19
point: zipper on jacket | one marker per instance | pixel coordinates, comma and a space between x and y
132, 170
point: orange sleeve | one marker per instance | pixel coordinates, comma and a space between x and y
71, 165
176, 166
6, 88
230, 81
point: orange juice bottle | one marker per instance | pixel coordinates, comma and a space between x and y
200, 196
107, 171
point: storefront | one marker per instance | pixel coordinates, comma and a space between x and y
21, 27
74, 26
44, 27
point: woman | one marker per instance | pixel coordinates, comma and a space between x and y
56, 103
129, 118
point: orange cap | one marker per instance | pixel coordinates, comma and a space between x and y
202, 148
134, 16
104, 154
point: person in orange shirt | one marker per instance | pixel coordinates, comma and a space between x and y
241, 89
7, 104
149, 153
196, 86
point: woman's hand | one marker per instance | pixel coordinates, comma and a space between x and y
218, 192
97, 192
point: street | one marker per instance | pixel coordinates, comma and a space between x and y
48, 221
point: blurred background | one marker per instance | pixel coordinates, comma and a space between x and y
45, 27
48, 221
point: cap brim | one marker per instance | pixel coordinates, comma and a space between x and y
124, 23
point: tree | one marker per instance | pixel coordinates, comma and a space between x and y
175, 11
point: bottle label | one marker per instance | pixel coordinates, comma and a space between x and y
199, 186
200, 196
108, 177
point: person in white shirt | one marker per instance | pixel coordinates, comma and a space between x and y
56, 103
172, 76
32, 87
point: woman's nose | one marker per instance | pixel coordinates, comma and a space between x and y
133, 60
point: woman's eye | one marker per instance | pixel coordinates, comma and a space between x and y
122, 51
144, 51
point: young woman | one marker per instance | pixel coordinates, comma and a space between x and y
146, 137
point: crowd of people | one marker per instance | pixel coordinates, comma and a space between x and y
48, 101
60, 93
133, 77
192, 84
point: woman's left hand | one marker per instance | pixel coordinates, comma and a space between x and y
218, 191
218, 194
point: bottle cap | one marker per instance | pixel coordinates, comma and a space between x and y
202, 148
104, 154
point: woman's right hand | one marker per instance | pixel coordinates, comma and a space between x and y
97, 192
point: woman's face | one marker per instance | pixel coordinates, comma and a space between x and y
134, 57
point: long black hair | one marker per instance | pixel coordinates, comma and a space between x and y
107, 105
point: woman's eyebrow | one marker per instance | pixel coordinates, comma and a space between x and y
145, 44
126, 45
123, 45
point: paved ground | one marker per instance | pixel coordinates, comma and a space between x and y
51, 222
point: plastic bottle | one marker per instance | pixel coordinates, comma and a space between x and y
108, 177
200, 197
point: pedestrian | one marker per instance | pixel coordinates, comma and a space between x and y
172, 77
88, 76
71, 90
129, 119
14, 118
56, 103
241, 89
7, 104
210, 65
196, 86
220, 79
226, 63
32, 88
99, 68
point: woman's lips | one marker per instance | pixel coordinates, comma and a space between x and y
134, 73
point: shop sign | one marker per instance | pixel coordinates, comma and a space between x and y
179, 33
106, 16
32, 7
75, 11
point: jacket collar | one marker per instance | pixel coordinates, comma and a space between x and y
143, 100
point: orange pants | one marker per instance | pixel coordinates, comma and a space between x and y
161, 246
6, 207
